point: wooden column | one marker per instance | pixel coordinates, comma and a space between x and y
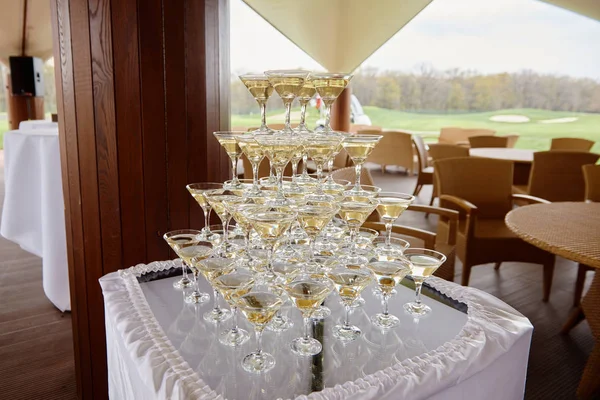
340, 112
141, 85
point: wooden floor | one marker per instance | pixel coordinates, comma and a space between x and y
36, 343
36, 352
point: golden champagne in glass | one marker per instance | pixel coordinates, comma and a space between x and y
261, 89
330, 86
287, 84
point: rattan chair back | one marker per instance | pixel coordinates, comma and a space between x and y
440, 151
591, 177
512, 140
557, 175
574, 144
394, 148
453, 135
488, 141
421, 149
485, 182
355, 128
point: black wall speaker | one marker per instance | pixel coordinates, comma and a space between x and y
27, 76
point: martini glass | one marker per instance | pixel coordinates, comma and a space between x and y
358, 148
287, 84
313, 219
216, 199
329, 181
228, 139
231, 285
255, 154
279, 150
391, 206
389, 271
296, 157
349, 283
308, 292
330, 86
304, 96
197, 191
320, 148
424, 263
259, 306
177, 239
212, 268
355, 210
239, 212
261, 89
271, 227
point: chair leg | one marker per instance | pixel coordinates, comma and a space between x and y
575, 317
548, 274
497, 266
383, 169
418, 188
579, 283
466, 274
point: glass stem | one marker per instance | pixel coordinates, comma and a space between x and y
255, 187
319, 172
184, 269
327, 117
311, 246
263, 116
385, 304
388, 234
295, 168
307, 322
196, 283
302, 114
353, 233
418, 287
347, 316
269, 259
224, 223
271, 170
216, 295
279, 172
259, 331
288, 112
206, 220
304, 166
234, 318
330, 169
234, 169
358, 169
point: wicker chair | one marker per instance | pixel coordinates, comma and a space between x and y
512, 140
441, 151
574, 144
480, 188
425, 172
591, 175
557, 175
394, 148
430, 239
488, 141
460, 136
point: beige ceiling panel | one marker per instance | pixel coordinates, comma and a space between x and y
38, 38
338, 34
589, 8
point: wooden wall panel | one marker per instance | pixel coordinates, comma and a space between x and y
140, 90
129, 130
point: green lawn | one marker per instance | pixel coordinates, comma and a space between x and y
533, 134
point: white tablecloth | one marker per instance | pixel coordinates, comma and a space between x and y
33, 213
160, 348
37, 124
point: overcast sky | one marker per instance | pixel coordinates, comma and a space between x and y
484, 35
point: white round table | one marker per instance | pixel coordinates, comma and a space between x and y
37, 124
33, 215
522, 160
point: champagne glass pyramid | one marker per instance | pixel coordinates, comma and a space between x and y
304, 96
228, 139
280, 150
424, 263
261, 89
178, 240
330, 86
287, 84
391, 206
358, 148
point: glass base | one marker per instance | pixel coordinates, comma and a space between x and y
359, 302
263, 130
321, 312
384, 321
197, 298
234, 337
356, 261
361, 193
331, 185
280, 323
183, 283
346, 333
269, 181
258, 363
277, 201
305, 179
325, 247
417, 309
209, 236
389, 251
316, 197
217, 315
306, 347
233, 184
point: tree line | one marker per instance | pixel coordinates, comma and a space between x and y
459, 90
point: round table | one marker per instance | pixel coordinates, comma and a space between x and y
522, 159
570, 230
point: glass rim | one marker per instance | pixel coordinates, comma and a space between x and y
408, 197
170, 234
340, 75
276, 72
383, 239
192, 185
363, 137
253, 76
422, 250
233, 133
